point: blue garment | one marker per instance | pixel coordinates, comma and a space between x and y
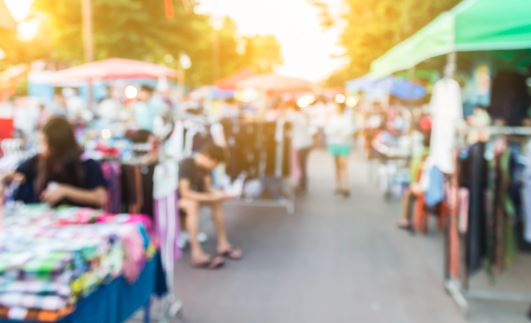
435, 193
92, 179
146, 113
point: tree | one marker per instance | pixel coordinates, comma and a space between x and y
139, 29
373, 27
133, 29
262, 53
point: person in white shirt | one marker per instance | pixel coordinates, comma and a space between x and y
339, 132
58, 106
110, 108
302, 142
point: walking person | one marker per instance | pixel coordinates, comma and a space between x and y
339, 130
302, 142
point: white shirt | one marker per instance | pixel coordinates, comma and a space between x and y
301, 134
339, 130
446, 110
109, 110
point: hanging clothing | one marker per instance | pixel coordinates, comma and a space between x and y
166, 212
477, 221
137, 192
112, 173
509, 98
526, 199
435, 192
446, 110
174, 146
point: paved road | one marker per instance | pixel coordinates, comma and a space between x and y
336, 260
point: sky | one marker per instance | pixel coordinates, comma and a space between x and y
19, 8
307, 49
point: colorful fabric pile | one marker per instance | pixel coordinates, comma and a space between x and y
49, 259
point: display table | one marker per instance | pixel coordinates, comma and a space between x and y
119, 300
77, 265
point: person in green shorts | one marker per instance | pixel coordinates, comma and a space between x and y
339, 130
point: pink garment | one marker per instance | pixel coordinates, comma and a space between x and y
463, 209
134, 253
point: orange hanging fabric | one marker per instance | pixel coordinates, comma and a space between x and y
169, 9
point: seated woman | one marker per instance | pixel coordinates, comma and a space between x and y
57, 175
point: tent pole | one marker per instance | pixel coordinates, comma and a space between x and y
451, 65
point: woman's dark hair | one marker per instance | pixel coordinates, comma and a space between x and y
139, 136
63, 162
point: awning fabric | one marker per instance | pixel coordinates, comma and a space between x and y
114, 68
473, 25
271, 82
398, 87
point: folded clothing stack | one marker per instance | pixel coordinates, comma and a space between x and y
48, 261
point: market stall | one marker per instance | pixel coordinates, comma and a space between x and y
143, 190
473, 25
472, 166
77, 265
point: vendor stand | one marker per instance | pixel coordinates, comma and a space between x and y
479, 28
77, 265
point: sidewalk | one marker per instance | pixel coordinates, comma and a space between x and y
336, 260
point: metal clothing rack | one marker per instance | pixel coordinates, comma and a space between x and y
287, 203
459, 289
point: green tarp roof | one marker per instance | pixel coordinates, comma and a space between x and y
473, 25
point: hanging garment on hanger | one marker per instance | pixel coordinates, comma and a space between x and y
174, 146
279, 140
166, 212
137, 193
464, 206
526, 199
449, 214
192, 130
508, 243
112, 173
287, 147
446, 110
509, 98
435, 192
218, 135
477, 222
270, 149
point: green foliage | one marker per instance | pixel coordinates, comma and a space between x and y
262, 53
133, 29
373, 27
139, 29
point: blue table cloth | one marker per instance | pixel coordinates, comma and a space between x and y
119, 300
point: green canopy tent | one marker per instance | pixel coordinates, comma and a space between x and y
473, 25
